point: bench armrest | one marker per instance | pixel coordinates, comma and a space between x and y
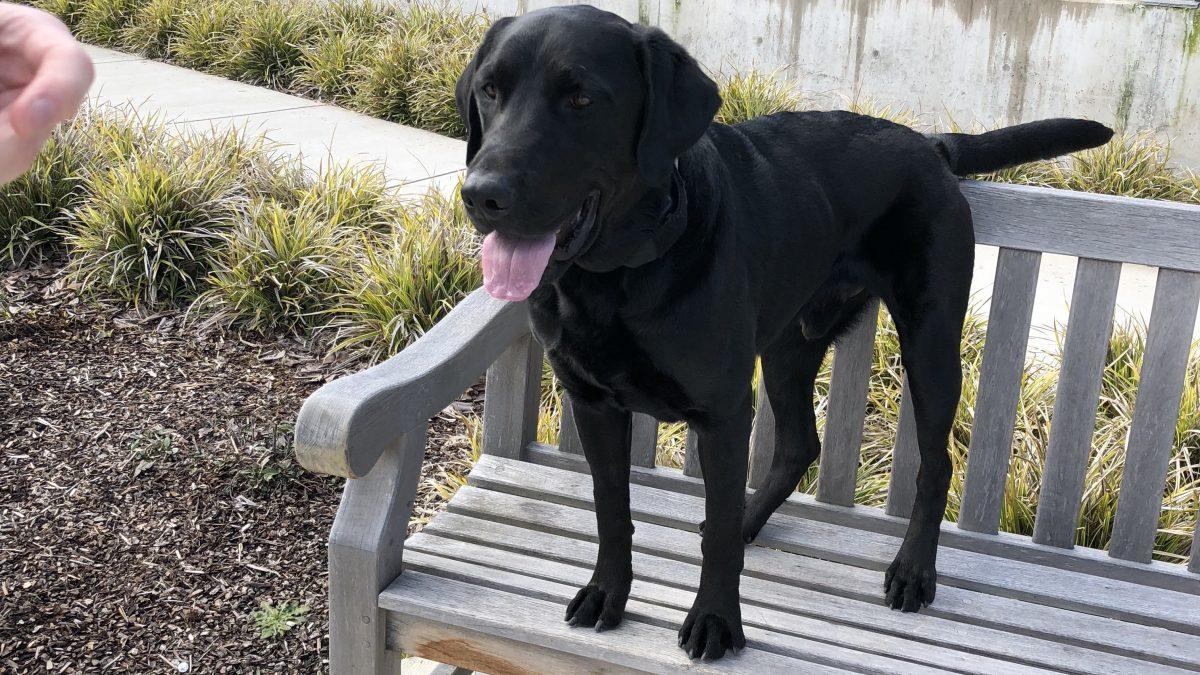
345, 425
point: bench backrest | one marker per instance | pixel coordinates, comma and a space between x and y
1102, 232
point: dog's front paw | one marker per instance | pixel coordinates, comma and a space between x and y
598, 604
910, 582
709, 632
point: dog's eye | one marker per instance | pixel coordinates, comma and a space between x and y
579, 101
490, 90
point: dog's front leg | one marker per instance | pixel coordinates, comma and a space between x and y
714, 623
604, 432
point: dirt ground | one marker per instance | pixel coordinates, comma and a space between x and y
149, 502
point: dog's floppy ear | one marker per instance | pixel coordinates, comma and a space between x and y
680, 103
464, 91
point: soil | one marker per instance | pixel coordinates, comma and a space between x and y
149, 503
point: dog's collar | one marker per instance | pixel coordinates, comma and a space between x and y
671, 224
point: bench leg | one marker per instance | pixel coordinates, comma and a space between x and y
366, 547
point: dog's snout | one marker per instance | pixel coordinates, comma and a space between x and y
487, 195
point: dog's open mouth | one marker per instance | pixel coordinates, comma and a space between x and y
513, 266
574, 235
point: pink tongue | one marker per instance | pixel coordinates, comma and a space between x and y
512, 268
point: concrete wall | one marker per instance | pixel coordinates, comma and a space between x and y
993, 61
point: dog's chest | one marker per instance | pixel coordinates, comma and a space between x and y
596, 352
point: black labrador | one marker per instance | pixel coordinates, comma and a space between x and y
661, 253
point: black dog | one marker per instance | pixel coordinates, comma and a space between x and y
661, 253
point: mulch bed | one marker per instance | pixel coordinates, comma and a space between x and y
149, 502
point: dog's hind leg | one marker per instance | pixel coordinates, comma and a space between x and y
929, 319
790, 367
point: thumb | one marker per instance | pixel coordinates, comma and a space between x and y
57, 89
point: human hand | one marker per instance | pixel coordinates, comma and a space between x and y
44, 75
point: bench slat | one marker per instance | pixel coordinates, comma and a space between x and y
643, 440
906, 460
492, 630
528, 556
1074, 421
762, 440
1151, 435
1104, 227
510, 403
1194, 554
964, 618
966, 569
999, 389
568, 433
847, 409
691, 455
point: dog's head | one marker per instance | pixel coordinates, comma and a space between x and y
572, 114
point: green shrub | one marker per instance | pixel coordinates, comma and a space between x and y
274, 272
33, 204
145, 232
103, 22
401, 283
68, 11
206, 34
268, 46
354, 197
155, 26
384, 79
329, 66
754, 94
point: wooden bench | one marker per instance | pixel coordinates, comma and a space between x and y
483, 586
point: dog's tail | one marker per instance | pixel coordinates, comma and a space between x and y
982, 153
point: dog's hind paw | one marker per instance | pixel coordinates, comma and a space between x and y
596, 606
909, 585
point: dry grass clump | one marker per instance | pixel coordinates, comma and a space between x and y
754, 94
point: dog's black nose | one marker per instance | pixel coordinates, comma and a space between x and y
485, 194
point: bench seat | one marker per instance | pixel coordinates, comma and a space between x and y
485, 585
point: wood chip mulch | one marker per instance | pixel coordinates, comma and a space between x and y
149, 502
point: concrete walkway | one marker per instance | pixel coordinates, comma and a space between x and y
419, 159
318, 132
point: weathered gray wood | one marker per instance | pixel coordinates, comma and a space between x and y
670, 561
1045, 585
691, 455
1103, 227
520, 630
1090, 561
1194, 554
963, 618
846, 411
762, 440
445, 669
649, 604
510, 404
345, 424
906, 460
366, 549
652, 587
999, 389
568, 433
1152, 432
643, 443
1074, 421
